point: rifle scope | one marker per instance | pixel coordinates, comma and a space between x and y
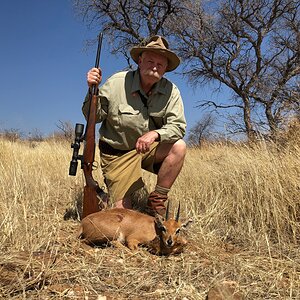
76, 146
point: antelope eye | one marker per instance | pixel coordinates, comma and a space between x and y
177, 231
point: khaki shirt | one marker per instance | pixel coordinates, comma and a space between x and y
125, 118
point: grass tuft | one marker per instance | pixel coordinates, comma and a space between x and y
244, 200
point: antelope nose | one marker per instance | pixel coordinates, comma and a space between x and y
169, 242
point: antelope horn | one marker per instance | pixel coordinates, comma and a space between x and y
178, 213
167, 211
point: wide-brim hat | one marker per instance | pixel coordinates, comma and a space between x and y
157, 44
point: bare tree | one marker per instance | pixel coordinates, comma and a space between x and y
66, 130
201, 130
12, 134
250, 46
35, 136
127, 23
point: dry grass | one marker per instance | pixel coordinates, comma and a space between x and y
244, 201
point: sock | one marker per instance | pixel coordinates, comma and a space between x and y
161, 190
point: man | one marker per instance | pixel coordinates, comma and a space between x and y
142, 126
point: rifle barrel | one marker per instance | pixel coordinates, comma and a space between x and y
100, 37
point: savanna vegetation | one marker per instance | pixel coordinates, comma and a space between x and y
243, 198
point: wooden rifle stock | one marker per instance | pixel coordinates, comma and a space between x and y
92, 192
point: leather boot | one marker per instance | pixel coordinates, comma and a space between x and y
155, 204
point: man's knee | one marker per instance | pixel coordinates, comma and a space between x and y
179, 148
175, 151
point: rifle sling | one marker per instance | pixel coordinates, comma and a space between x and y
144, 100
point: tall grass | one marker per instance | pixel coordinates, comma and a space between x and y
244, 200
35, 190
244, 193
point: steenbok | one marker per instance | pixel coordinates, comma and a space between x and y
132, 228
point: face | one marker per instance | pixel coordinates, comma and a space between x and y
152, 67
169, 231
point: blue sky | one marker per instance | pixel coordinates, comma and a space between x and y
43, 65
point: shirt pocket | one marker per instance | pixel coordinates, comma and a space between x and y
156, 119
129, 117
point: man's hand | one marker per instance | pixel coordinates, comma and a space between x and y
145, 141
94, 76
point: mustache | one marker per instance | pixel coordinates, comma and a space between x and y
152, 73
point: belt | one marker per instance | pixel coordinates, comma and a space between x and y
108, 149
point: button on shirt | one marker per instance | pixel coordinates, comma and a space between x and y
125, 117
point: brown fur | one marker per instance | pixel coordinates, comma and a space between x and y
133, 228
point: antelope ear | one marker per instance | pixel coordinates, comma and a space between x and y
186, 224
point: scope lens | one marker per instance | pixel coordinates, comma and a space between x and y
79, 129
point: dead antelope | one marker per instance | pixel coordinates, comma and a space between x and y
133, 228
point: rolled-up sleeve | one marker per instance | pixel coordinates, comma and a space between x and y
102, 106
174, 119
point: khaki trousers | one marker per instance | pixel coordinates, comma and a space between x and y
123, 172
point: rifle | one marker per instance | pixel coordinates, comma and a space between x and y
94, 197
